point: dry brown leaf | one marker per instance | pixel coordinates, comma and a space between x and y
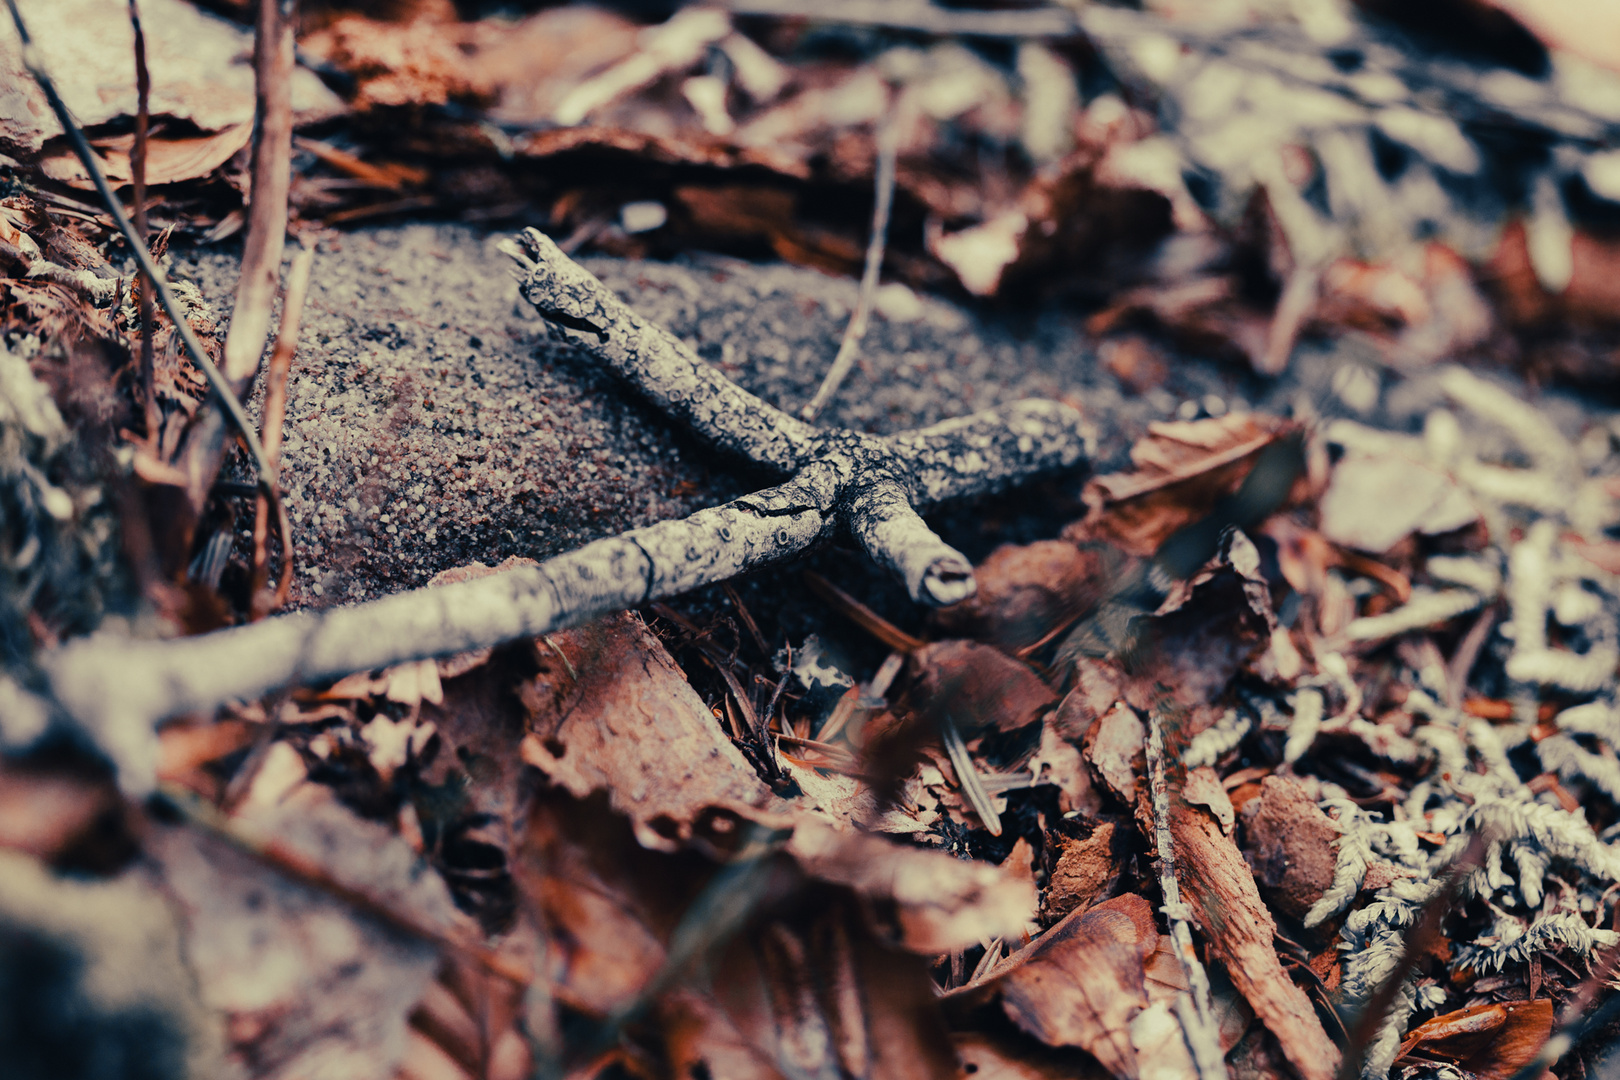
1182, 469
1025, 592
1226, 904
1203, 788
307, 985
1081, 982
981, 688
619, 717
50, 814
1057, 761
1491, 1041
169, 158
1290, 843
414, 63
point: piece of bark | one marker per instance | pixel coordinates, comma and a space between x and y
1025, 592
1087, 870
1220, 889
1080, 983
1291, 844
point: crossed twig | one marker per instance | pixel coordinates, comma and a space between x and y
835, 480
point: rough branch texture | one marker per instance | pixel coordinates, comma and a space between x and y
864, 484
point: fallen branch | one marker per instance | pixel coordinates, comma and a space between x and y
868, 486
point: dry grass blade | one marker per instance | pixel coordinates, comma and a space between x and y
888, 151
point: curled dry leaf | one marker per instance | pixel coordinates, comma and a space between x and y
1221, 890
1291, 844
169, 158
631, 727
620, 717
1208, 628
1492, 1041
1182, 470
1081, 983
1025, 591
1115, 747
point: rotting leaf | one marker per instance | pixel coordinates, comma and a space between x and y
1088, 869
1080, 983
978, 686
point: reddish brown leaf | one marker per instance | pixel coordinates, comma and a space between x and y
979, 687
1491, 1041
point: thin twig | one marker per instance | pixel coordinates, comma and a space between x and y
273, 60
81, 147
1197, 1022
137, 170
888, 146
274, 416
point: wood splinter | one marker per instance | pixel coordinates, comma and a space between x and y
834, 480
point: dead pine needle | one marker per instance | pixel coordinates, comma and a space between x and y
888, 140
968, 776
137, 169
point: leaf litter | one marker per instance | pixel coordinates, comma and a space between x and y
1367, 638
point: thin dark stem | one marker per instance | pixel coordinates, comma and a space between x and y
81, 148
888, 140
137, 163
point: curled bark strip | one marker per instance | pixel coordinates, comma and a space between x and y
836, 479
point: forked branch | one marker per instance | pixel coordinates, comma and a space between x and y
866, 486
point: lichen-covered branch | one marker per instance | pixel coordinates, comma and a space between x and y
867, 486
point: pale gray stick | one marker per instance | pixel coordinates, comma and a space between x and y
117, 688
